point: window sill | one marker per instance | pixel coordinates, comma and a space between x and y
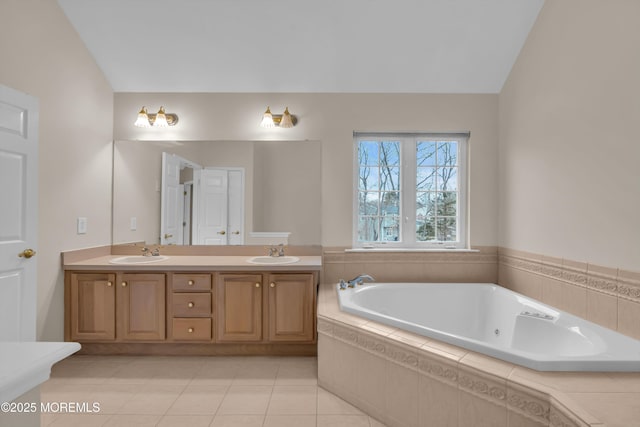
377, 249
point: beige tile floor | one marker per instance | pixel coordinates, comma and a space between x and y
168, 391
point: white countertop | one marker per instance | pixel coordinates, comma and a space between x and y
195, 263
25, 365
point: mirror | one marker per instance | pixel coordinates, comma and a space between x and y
282, 183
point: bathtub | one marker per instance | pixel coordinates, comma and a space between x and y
495, 321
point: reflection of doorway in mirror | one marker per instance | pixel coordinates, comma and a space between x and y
173, 211
218, 206
201, 206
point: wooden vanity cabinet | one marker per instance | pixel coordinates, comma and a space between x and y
141, 307
116, 307
216, 312
239, 307
291, 307
92, 308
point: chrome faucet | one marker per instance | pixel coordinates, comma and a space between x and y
148, 252
276, 251
359, 280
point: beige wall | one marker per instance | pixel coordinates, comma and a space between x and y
43, 56
331, 119
569, 146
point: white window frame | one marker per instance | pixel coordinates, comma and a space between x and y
408, 174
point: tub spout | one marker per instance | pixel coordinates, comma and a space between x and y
359, 280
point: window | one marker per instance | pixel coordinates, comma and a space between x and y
410, 190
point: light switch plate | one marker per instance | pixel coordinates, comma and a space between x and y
82, 225
133, 225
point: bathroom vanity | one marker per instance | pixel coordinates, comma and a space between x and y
192, 305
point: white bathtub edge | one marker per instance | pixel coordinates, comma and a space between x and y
26, 365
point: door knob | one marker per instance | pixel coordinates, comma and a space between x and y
167, 236
222, 232
235, 232
27, 253
273, 285
257, 285
124, 284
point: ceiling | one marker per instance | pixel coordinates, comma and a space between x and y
377, 46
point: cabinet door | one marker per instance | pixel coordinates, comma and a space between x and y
239, 307
141, 307
92, 307
291, 307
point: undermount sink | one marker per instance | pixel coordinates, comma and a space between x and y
273, 260
138, 259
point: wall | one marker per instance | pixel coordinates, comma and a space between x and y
568, 158
332, 119
43, 56
569, 149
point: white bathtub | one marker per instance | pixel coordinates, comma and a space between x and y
497, 322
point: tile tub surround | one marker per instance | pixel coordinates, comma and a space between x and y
477, 265
407, 380
603, 295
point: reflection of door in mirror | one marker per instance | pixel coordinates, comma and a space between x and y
218, 206
175, 209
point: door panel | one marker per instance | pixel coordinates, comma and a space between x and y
212, 207
18, 215
236, 207
171, 214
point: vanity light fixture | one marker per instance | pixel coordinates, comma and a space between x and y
160, 119
284, 120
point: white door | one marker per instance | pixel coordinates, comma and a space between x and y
170, 197
212, 207
236, 207
18, 215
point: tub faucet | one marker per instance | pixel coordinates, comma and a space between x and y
359, 280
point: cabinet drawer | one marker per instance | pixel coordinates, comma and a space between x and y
191, 282
186, 329
191, 304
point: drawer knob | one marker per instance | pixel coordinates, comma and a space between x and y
124, 284
190, 283
273, 285
190, 305
190, 330
257, 285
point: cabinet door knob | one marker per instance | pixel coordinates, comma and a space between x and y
124, 284
109, 284
235, 232
190, 283
190, 330
222, 232
190, 305
257, 285
273, 285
